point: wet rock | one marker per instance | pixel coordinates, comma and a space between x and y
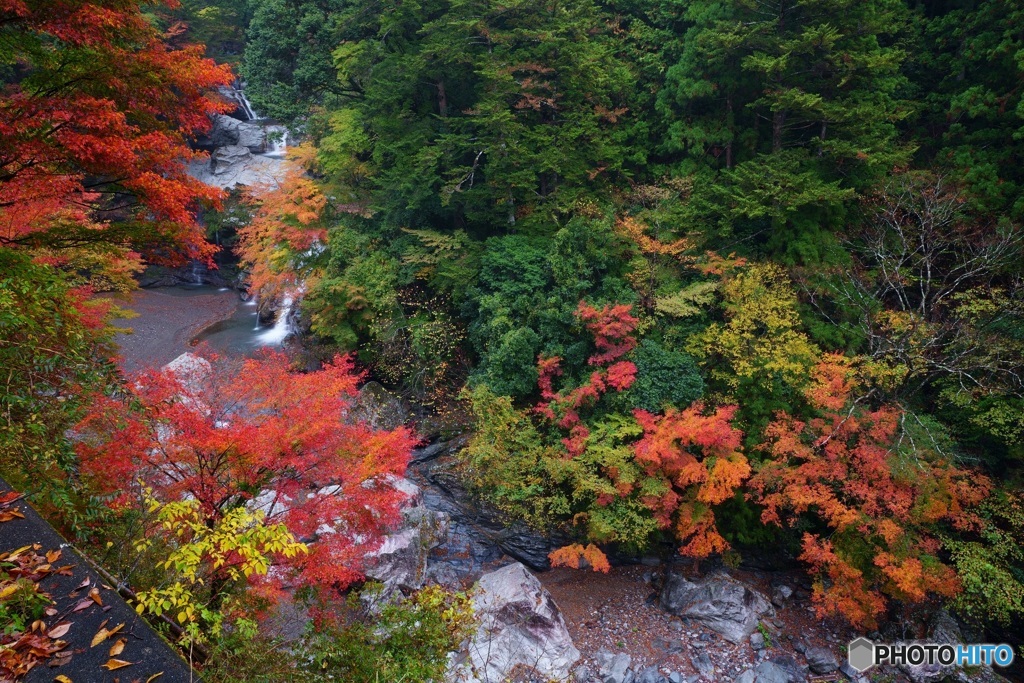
649, 675
721, 603
781, 595
228, 131
757, 640
702, 663
821, 660
614, 668
519, 625
228, 159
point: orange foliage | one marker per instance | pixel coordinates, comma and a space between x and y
700, 456
576, 556
285, 227
636, 232
848, 468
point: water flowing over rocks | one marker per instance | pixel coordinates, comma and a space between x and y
520, 627
721, 603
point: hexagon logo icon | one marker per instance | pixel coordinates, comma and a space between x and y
861, 654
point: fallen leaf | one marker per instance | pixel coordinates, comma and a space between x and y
62, 679
118, 647
50, 611
83, 604
59, 630
84, 583
53, 556
154, 677
95, 595
103, 634
116, 664
60, 659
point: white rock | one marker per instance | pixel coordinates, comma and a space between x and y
519, 624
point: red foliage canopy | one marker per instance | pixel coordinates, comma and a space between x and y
258, 435
94, 120
612, 327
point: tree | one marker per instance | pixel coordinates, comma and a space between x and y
287, 63
50, 337
279, 245
878, 487
970, 124
257, 436
936, 291
95, 118
758, 357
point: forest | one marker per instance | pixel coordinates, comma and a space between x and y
731, 285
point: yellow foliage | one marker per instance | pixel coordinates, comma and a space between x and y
761, 338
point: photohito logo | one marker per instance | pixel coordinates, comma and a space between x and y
862, 654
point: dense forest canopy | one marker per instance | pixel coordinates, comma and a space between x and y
702, 277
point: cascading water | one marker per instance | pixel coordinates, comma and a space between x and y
282, 324
277, 141
247, 109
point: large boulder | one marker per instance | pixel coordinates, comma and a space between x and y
229, 159
227, 131
519, 626
401, 560
719, 602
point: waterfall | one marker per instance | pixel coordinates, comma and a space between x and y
247, 109
197, 277
282, 324
277, 139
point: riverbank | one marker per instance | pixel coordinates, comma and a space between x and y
165, 325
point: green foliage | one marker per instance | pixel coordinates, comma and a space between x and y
663, 378
404, 641
50, 348
991, 565
207, 560
287, 64
526, 297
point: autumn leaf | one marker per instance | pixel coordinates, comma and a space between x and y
95, 595
62, 679
59, 630
116, 664
154, 676
118, 647
103, 634
83, 605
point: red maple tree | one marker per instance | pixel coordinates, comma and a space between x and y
94, 121
258, 435
612, 328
